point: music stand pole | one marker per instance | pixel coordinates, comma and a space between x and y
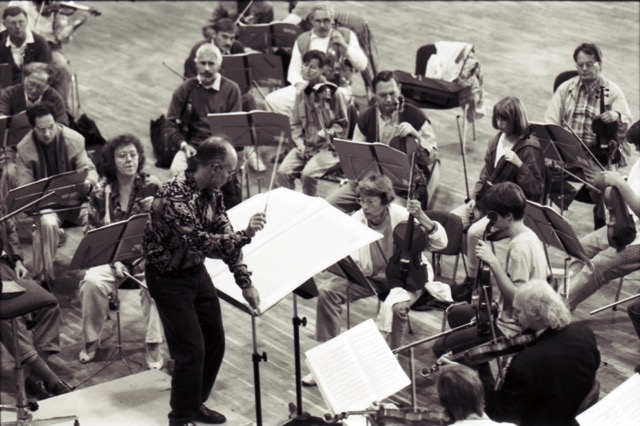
297, 322
256, 358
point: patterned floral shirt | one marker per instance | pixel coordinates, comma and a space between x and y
143, 187
187, 224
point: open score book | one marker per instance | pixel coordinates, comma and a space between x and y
355, 369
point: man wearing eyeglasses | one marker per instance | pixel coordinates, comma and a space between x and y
577, 101
207, 93
187, 223
35, 88
50, 149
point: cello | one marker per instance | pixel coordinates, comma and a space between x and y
621, 228
406, 268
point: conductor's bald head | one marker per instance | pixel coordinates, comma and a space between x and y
214, 163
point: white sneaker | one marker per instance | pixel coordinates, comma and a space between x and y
255, 162
308, 380
154, 356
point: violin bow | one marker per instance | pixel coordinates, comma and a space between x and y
281, 139
243, 12
464, 160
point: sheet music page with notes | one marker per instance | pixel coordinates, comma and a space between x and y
621, 407
303, 236
356, 368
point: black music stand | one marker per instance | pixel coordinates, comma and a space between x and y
359, 158
554, 230
265, 37
253, 128
559, 144
244, 68
292, 216
118, 241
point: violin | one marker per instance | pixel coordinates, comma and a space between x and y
501, 346
484, 317
66, 8
322, 97
605, 132
621, 228
397, 417
406, 268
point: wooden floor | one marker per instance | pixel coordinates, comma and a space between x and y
522, 47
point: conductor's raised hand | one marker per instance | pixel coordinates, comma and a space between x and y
252, 296
256, 223
189, 150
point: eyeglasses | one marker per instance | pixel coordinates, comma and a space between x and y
325, 21
371, 202
43, 129
219, 166
124, 155
586, 65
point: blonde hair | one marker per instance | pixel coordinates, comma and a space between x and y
538, 300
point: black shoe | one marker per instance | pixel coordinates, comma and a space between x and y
205, 415
60, 388
37, 389
182, 424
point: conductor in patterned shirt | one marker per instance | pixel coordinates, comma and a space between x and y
187, 223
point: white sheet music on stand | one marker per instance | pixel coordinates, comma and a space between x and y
621, 407
303, 236
356, 368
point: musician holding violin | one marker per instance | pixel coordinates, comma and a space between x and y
375, 196
596, 109
512, 155
610, 262
392, 122
546, 381
525, 261
319, 115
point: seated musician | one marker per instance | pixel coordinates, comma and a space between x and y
513, 155
525, 261
222, 33
577, 101
461, 393
207, 93
375, 195
39, 337
259, 12
46, 19
124, 192
49, 149
19, 45
319, 115
388, 122
35, 88
547, 381
338, 43
609, 263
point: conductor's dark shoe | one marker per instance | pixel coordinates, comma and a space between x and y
206, 415
60, 388
182, 424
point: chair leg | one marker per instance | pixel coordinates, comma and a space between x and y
620, 282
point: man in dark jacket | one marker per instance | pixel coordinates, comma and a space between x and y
19, 45
547, 381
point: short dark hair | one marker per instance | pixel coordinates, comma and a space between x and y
376, 185
588, 49
225, 25
384, 76
13, 11
41, 109
460, 391
504, 198
315, 54
511, 110
109, 150
213, 149
633, 134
